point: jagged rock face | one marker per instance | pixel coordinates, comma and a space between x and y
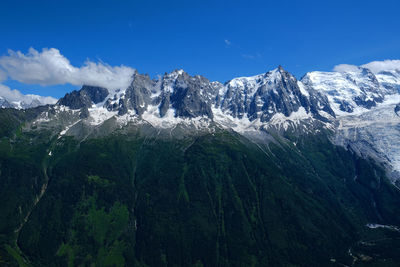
351, 103
263, 96
85, 97
191, 96
84, 113
259, 97
137, 95
165, 102
96, 94
319, 103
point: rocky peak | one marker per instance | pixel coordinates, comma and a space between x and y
137, 95
84, 98
262, 96
191, 96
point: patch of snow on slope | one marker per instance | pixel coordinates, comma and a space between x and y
152, 116
100, 114
234, 123
244, 124
295, 118
130, 116
63, 132
302, 88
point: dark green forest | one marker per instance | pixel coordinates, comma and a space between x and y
212, 199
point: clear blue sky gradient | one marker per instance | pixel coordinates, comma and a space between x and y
160, 36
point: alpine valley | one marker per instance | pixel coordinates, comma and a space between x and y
180, 171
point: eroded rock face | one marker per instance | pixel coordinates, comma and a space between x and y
265, 95
85, 97
177, 90
189, 97
184, 96
138, 94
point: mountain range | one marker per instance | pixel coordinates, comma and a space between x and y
265, 170
356, 104
15, 99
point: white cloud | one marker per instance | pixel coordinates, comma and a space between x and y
374, 66
50, 67
16, 96
251, 56
248, 56
377, 66
3, 75
345, 68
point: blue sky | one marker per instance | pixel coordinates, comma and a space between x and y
218, 39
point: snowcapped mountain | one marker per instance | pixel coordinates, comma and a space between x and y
244, 150
29, 101
263, 98
15, 99
275, 98
348, 92
367, 108
362, 108
376, 134
390, 80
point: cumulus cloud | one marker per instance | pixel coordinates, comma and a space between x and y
50, 67
29, 100
377, 66
374, 66
345, 68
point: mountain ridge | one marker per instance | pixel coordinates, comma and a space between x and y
273, 101
252, 106
142, 176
